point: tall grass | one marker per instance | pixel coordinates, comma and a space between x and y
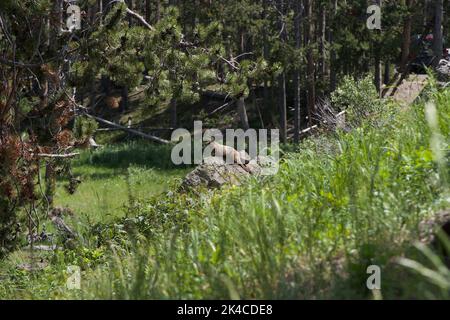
343, 202
123, 155
340, 204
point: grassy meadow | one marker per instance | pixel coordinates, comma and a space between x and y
342, 201
113, 176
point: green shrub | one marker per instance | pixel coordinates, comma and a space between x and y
358, 97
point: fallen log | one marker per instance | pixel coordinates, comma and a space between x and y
50, 155
132, 131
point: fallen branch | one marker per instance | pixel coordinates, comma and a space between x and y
43, 247
140, 18
50, 155
132, 131
222, 107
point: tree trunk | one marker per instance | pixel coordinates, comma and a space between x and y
297, 72
148, 10
100, 11
333, 60
387, 73
310, 72
378, 75
438, 47
282, 81
377, 58
282, 104
158, 11
266, 93
322, 40
173, 113
124, 100
242, 112
406, 38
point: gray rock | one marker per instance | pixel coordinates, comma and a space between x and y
443, 71
214, 173
429, 227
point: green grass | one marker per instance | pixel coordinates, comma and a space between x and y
105, 192
338, 205
341, 203
114, 175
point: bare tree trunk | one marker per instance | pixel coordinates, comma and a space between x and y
131, 6
173, 113
377, 62
378, 75
50, 183
438, 47
387, 72
322, 40
310, 72
100, 11
333, 69
406, 38
282, 104
124, 100
266, 93
297, 72
242, 112
148, 10
282, 81
158, 10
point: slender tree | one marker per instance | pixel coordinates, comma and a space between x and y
407, 26
333, 62
310, 72
282, 76
298, 12
438, 46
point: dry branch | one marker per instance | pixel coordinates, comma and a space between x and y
132, 131
52, 155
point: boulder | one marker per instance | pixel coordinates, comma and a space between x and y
429, 227
214, 172
443, 71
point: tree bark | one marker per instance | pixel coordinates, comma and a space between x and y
377, 58
310, 72
297, 73
242, 112
124, 101
282, 81
333, 60
158, 11
148, 10
322, 40
173, 113
407, 25
387, 73
266, 93
438, 47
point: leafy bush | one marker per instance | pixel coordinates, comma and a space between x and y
358, 97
